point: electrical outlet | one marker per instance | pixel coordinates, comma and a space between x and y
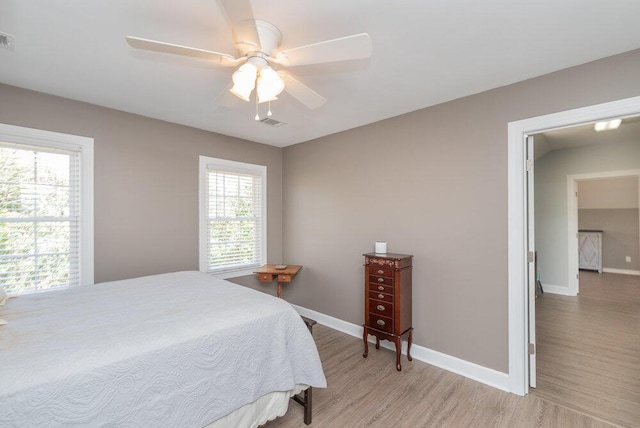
627, 259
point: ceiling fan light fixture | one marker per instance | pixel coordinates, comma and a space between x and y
270, 84
244, 81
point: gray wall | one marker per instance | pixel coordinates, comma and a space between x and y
433, 183
606, 193
619, 235
146, 181
551, 202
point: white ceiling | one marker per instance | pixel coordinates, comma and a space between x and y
424, 52
585, 135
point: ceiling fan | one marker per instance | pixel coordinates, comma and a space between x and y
258, 43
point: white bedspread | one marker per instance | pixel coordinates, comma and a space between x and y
176, 350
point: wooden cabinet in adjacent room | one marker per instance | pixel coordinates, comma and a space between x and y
590, 250
387, 296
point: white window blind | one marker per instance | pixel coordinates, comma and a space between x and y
39, 217
234, 216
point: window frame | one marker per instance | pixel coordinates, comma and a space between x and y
56, 140
232, 167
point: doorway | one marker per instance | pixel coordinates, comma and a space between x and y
519, 322
582, 345
605, 200
604, 167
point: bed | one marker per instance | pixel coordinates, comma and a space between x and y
178, 349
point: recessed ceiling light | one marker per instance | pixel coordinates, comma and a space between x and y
608, 125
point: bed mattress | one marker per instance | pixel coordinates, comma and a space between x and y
178, 349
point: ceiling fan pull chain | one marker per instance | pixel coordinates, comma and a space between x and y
269, 112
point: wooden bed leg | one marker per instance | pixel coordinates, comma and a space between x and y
365, 335
307, 406
305, 402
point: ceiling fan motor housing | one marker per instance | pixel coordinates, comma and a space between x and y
269, 38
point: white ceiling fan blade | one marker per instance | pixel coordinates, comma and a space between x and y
301, 92
345, 48
170, 48
239, 15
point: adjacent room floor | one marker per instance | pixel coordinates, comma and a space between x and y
371, 393
589, 348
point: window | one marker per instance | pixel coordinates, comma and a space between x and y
232, 216
46, 210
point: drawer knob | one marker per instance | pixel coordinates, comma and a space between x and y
380, 322
380, 287
380, 271
380, 307
380, 279
380, 296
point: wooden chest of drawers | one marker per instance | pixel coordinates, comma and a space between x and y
387, 313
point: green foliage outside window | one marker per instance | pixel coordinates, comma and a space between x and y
36, 225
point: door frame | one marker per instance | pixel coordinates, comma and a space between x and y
572, 217
518, 299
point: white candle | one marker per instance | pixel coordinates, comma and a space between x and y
381, 247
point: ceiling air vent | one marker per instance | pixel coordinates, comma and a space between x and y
272, 122
6, 41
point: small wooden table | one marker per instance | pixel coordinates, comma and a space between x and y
268, 273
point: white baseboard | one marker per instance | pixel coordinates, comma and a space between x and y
556, 289
621, 271
467, 369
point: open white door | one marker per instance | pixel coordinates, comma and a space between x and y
531, 265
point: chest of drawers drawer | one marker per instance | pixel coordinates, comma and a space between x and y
381, 272
380, 295
382, 323
377, 307
380, 288
374, 279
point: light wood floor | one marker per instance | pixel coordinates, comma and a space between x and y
371, 393
589, 348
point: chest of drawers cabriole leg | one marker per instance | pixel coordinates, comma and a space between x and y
387, 296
